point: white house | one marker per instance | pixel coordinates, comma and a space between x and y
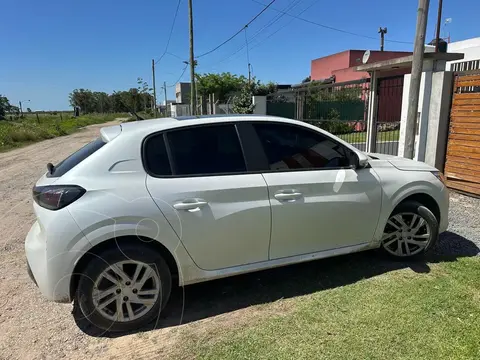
471, 49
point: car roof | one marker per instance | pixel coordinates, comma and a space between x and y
149, 126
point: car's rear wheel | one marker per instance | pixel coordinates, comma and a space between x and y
411, 230
124, 288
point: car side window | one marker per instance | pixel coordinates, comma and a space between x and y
290, 147
156, 156
206, 150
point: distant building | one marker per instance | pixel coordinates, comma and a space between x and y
341, 66
182, 93
471, 49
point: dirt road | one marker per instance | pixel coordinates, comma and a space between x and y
32, 328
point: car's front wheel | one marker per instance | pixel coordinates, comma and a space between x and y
411, 230
124, 288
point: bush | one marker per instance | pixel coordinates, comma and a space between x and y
22, 135
336, 127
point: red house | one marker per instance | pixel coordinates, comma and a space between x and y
342, 65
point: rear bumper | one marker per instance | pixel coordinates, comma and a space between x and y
30, 274
53, 247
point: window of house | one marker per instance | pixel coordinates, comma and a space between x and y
291, 147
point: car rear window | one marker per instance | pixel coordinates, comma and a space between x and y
76, 158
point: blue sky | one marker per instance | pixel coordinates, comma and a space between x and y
51, 47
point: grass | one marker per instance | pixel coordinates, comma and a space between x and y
397, 315
361, 137
28, 130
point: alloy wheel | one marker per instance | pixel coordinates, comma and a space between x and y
126, 290
406, 234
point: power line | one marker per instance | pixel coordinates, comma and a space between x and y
290, 6
276, 18
330, 27
239, 31
180, 77
176, 56
282, 27
170, 35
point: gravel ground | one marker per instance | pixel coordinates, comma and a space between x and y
32, 328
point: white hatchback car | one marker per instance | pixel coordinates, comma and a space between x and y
176, 201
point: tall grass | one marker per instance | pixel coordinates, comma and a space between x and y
30, 129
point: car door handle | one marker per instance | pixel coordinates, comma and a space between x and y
190, 204
288, 195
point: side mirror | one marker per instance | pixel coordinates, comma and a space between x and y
359, 160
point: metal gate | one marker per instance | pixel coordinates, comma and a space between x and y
462, 167
389, 111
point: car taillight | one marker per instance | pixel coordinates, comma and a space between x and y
55, 197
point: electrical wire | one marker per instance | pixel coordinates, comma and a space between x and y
289, 7
238, 32
282, 27
332, 28
179, 78
170, 35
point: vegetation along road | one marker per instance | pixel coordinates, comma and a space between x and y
357, 306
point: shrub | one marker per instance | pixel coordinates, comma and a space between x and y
335, 126
22, 135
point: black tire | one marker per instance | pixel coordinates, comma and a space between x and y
122, 252
420, 210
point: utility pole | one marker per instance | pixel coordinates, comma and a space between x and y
165, 92
416, 77
439, 19
193, 99
382, 32
154, 89
249, 73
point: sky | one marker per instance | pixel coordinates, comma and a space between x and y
51, 47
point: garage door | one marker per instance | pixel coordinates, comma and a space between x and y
462, 167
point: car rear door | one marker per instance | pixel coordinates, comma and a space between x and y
319, 202
198, 178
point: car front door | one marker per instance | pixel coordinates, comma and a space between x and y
319, 201
198, 178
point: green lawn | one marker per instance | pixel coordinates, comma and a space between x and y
15, 133
361, 137
401, 314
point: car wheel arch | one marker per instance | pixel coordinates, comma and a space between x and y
107, 244
424, 199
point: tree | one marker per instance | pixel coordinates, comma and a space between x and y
102, 102
242, 103
263, 89
222, 85
146, 97
307, 79
83, 98
5, 106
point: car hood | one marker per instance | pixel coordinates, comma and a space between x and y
404, 164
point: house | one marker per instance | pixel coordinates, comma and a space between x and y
340, 67
182, 93
471, 50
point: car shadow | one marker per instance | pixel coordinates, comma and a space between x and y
217, 297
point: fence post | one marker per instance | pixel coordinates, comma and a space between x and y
372, 114
38, 119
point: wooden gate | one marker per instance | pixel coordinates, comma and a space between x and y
462, 167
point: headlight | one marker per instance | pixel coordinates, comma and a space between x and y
439, 175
